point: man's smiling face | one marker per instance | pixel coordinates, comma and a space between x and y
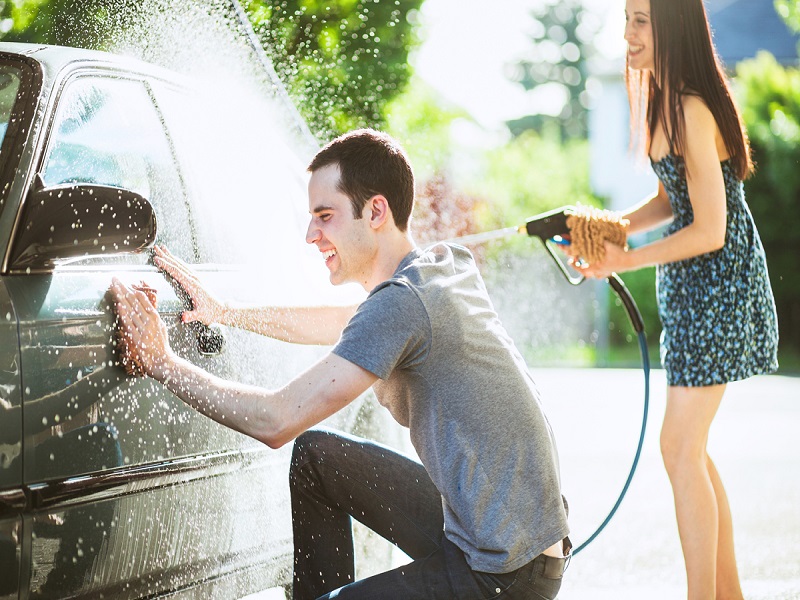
347, 244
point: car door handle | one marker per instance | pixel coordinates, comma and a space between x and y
210, 339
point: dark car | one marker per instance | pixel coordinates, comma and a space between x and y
109, 485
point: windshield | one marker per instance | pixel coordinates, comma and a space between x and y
9, 86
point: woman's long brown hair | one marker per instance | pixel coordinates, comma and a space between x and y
685, 63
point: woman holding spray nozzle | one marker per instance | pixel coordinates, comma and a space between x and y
713, 290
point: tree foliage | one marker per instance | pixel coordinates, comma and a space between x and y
561, 45
789, 10
79, 23
770, 99
343, 60
533, 174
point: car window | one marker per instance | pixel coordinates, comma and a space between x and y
247, 181
9, 86
235, 156
107, 131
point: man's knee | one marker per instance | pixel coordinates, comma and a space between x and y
303, 448
313, 446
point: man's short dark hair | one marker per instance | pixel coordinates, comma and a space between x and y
371, 163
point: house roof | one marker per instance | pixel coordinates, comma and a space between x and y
743, 27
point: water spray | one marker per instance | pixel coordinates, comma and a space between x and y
266, 64
585, 229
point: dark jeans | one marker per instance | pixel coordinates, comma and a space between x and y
335, 477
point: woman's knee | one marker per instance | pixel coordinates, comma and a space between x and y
687, 421
670, 452
679, 452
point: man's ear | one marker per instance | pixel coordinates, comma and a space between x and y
379, 211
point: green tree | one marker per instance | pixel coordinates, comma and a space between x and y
789, 10
342, 60
422, 122
770, 99
561, 45
532, 174
80, 23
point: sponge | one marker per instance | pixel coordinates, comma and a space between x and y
590, 227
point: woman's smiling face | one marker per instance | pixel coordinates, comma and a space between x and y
639, 35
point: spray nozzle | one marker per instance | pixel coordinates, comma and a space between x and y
550, 225
586, 229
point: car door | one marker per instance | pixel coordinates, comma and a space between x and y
12, 498
121, 502
12, 495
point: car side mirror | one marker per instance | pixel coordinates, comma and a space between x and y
77, 220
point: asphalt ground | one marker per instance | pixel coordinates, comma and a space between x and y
597, 415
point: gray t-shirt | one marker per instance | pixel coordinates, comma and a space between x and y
450, 372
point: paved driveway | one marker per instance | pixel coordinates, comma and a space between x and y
755, 443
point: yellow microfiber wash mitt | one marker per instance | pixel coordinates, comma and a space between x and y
590, 227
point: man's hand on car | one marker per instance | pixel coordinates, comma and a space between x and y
205, 308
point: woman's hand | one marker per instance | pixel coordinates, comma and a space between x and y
205, 307
617, 260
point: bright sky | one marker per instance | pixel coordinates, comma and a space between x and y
468, 43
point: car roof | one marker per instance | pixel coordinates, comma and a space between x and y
55, 58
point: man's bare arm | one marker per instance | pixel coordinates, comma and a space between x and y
320, 325
299, 325
273, 417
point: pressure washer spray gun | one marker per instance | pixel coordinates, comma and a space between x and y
585, 230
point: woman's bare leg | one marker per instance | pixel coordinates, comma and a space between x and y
728, 585
703, 516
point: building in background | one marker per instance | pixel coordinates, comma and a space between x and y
741, 29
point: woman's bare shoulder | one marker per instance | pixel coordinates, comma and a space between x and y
694, 107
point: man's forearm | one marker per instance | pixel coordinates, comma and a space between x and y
318, 325
243, 408
273, 417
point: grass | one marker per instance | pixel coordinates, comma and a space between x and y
628, 356
789, 362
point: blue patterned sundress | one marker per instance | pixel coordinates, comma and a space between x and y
717, 309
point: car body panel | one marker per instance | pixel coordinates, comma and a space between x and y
110, 486
10, 396
12, 495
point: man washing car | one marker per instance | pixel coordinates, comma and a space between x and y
482, 516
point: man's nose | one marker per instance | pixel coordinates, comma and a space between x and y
312, 233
